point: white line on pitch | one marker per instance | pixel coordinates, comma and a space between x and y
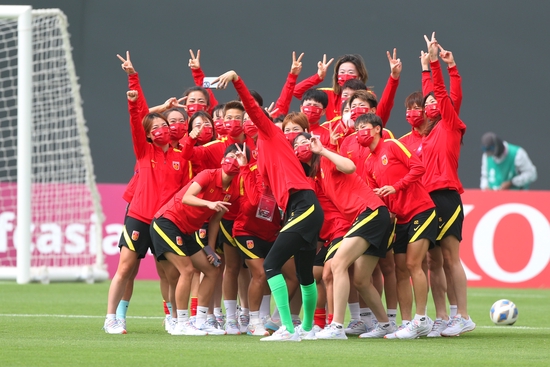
74, 316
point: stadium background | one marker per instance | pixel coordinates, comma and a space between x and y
498, 46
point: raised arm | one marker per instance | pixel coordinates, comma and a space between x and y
198, 77
133, 82
139, 138
266, 128
285, 99
388, 96
454, 78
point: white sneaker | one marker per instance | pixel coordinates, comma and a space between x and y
282, 335
113, 326
296, 322
356, 327
188, 329
392, 335
221, 320
332, 332
244, 321
272, 325
210, 328
438, 326
415, 329
166, 322
458, 325
380, 331
307, 335
171, 325
257, 330
232, 327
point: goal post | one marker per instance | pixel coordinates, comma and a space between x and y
46, 170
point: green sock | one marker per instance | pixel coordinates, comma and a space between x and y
309, 302
279, 290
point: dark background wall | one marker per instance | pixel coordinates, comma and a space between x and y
500, 47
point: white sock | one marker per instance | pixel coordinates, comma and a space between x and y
265, 306
231, 309
245, 311
218, 311
254, 317
366, 316
354, 310
337, 324
201, 315
210, 316
454, 310
418, 317
276, 316
405, 322
295, 317
183, 316
392, 314
110, 316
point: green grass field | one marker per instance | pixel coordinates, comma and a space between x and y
60, 324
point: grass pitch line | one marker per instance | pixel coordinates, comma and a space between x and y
75, 316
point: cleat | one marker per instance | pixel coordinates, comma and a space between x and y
356, 327
282, 335
332, 332
392, 335
438, 326
166, 322
211, 329
307, 335
221, 320
244, 321
232, 327
380, 331
272, 325
458, 325
257, 330
114, 326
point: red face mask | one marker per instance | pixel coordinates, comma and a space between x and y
415, 117
161, 136
205, 135
290, 136
230, 166
250, 129
364, 137
220, 127
343, 78
303, 153
233, 127
178, 130
195, 107
358, 111
432, 111
313, 113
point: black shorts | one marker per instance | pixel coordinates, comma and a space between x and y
422, 225
252, 247
450, 213
135, 236
321, 254
304, 216
201, 237
375, 228
167, 237
225, 235
332, 248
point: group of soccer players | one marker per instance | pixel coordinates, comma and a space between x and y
238, 202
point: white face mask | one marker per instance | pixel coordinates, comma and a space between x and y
346, 119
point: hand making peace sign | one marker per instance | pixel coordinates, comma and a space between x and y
126, 63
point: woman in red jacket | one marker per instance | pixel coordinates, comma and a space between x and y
161, 174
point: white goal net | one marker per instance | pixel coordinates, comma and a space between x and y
66, 216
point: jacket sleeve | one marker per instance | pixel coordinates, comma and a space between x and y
449, 117
285, 99
411, 161
137, 110
387, 100
253, 184
456, 88
306, 84
266, 128
527, 172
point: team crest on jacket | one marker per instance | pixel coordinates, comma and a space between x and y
227, 197
255, 154
384, 160
135, 235
202, 233
176, 165
179, 241
250, 244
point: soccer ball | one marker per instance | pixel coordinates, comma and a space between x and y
504, 312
